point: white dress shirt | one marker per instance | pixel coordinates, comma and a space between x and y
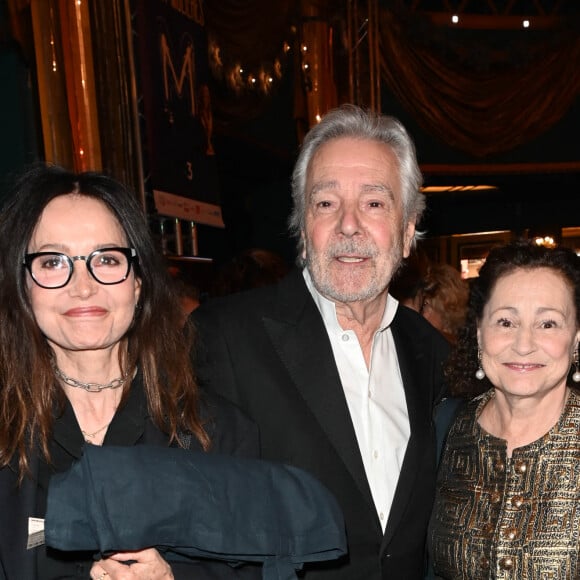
375, 398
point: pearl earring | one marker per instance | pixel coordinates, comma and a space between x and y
480, 373
576, 375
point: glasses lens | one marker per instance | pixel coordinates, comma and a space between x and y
50, 270
109, 266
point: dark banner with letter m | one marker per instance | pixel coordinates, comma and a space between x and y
171, 46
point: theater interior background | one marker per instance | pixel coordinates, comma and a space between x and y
201, 107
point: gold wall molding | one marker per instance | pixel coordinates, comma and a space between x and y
86, 81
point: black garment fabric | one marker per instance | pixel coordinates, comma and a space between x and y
208, 506
445, 413
230, 431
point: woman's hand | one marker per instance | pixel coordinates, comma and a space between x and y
145, 565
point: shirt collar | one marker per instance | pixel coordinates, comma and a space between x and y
327, 307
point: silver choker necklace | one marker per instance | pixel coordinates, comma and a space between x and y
90, 387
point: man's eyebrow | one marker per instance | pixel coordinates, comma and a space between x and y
381, 188
323, 186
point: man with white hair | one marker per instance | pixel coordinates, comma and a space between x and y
340, 379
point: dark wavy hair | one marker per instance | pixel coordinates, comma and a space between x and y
155, 342
501, 261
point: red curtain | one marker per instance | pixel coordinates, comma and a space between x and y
486, 109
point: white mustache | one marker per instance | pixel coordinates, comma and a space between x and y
352, 249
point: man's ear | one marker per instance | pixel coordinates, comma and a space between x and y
408, 236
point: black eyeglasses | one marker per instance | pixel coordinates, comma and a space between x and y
54, 270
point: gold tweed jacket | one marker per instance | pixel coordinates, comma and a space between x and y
516, 518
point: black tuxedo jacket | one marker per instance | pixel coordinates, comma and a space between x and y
267, 350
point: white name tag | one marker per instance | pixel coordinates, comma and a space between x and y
35, 533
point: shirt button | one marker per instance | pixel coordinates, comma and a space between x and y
495, 497
382, 516
521, 467
510, 533
499, 466
506, 563
375, 454
345, 338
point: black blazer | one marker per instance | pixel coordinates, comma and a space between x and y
268, 351
231, 432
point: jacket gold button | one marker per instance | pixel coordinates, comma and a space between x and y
510, 533
517, 501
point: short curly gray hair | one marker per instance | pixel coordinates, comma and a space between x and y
355, 122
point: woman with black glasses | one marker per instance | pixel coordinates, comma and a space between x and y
92, 352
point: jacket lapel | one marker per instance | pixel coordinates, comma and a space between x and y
414, 356
300, 339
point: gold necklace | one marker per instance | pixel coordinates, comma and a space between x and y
88, 436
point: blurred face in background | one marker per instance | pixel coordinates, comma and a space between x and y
432, 315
